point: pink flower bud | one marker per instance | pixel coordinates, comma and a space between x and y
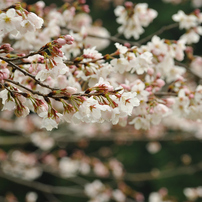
189, 49
160, 58
157, 89
125, 87
5, 73
170, 101
197, 12
71, 90
180, 78
7, 47
61, 41
187, 91
149, 89
127, 45
31, 69
128, 4
139, 197
1, 76
69, 39
150, 71
85, 8
84, 98
82, 1
151, 111
160, 82
40, 4
158, 75
191, 96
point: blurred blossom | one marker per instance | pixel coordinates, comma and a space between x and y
42, 140
153, 147
31, 197
191, 193
68, 167
22, 165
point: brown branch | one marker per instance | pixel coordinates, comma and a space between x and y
160, 31
156, 175
20, 85
26, 73
22, 57
44, 187
162, 94
197, 77
111, 38
13, 140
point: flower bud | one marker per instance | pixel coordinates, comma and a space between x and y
69, 39
160, 82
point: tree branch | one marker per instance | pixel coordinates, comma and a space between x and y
183, 170
160, 31
26, 73
110, 38
44, 187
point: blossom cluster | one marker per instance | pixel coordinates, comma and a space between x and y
133, 18
191, 23
53, 71
55, 92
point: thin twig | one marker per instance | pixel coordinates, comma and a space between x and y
44, 187
165, 94
26, 73
22, 57
18, 84
13, 140
197, 77
110, 38
156, 175
160, 31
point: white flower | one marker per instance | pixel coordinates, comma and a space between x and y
121, 64
8, 102
49, 124
186, 21
59, 69
190, 193
90, 111
198, 94
118, 195
144, 61
122, 49
31, 196
42, 140
104, 83
91, 54
127, 102
68, 167
8, 21
140, 123
157, 46
139, 87
155, 197
190, 37
92, 189
180, 107
35, 20
132, 25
